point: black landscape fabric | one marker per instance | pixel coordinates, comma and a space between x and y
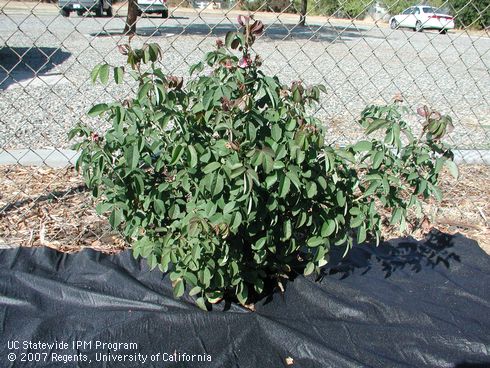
402, 304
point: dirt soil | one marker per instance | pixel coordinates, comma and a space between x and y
41, 206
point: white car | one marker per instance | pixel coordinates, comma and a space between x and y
152, 7
423, 17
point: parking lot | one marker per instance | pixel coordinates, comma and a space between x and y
46, 60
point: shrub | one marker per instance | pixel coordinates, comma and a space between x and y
341, 9
226, 183
475, 14
256, 5
397, 6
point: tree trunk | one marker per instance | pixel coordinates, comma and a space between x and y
132, 18
302, 12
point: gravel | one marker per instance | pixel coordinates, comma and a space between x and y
358, 65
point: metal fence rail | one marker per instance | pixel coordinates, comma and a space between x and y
347, 45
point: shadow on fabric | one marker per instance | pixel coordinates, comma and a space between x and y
406, 254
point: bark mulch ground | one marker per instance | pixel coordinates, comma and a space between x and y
41, 206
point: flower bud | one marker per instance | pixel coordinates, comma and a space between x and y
245, 62
243, 20
123, 49
257, 28
423, 111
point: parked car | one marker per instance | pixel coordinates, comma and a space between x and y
423, 17
153, 6
99, 7
201, 4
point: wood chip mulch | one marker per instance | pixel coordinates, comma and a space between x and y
41, 206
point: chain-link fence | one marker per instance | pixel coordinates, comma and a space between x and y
363, 51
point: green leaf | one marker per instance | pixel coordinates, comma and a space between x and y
95, 73
268, 164
340, 198
102, 207
362, 146
436, 192
311, 189
159, 207
453, 169
115, 217
104, 73
229, 207
315, 241
118, 74
196, 68
310, 267
98, 109
176, 154
293, 176
276, 132
132, 156
356, 221
396, 216
192, 156
361, 234
386, 186
237, 220
179, 288
259, 244
372, 188
439, 164
346, 155
296, 95
242, 294
278, 165
152, 261
376, 124
201, 303
237, 172
198, 107
230, 36
270, 180
328, 228
219, 185
284, 186
143, 91
287, 229
378, 159
155, 51
196, 251
209, 168
423, 158
195, 290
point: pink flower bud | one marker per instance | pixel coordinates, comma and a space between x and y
123, 49
257, 27
422, 111
95, 137
243, 20
245, 62
228, 64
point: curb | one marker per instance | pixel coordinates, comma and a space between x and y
55, 158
